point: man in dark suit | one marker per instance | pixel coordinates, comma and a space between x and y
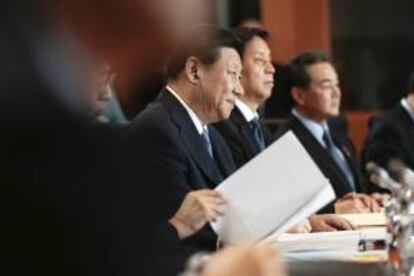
245, 134
392, 137
317, 97
181, 151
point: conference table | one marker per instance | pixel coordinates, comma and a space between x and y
303, 260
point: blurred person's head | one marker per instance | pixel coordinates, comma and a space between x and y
257, 73
205, 72
120, 29
258, 260
125, 30
133, 35
315, 91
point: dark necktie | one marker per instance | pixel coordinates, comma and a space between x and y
207, 142
257, 133
339, 158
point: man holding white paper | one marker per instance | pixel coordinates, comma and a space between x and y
181, 151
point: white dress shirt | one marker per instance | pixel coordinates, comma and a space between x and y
194, 118
247, 113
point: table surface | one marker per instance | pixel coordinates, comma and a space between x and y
338, 268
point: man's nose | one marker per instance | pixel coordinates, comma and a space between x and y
270, 69
238, 90
337, 91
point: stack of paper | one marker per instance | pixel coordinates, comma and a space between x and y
366, 219
341, 240
279, 188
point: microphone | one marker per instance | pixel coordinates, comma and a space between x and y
380, 177
400, 172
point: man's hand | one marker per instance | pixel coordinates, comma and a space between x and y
356, 203
197, 208
381, 198
258, 260
303, 227
329, 222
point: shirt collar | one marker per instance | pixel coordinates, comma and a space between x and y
407, 107
196, 121
247, 113
315, 128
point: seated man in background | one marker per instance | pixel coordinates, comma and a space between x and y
243, 132
101, 93
392, 137
317, 96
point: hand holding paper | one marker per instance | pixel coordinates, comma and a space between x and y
273, 192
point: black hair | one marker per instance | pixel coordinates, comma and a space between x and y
299, 65
245, 35
205, 43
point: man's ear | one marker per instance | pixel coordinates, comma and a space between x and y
299, 95
192, 66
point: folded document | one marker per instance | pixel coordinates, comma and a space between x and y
279, 188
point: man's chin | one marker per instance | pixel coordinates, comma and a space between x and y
334, 113
225, 115
267, 95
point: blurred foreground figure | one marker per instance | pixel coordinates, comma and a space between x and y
68, 207
245, 261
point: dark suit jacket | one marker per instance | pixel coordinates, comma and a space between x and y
391, 137
177, 161
325, 161
238, 135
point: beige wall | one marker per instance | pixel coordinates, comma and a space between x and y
296, 26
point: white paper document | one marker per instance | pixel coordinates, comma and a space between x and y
366, 219
277, 189
340, 240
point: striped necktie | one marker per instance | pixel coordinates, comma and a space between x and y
207, 142
257, 133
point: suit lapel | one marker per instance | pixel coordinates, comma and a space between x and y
246, 132
190, 136
324, 160
223, 157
